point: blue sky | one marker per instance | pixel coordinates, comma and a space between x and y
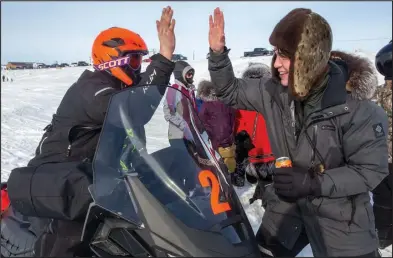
64, 31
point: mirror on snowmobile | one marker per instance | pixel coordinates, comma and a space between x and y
154, 167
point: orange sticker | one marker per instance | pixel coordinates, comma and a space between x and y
217, 207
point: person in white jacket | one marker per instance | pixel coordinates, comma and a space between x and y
175, 102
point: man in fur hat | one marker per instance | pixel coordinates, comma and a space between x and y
319, 114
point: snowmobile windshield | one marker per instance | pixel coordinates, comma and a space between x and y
154, 150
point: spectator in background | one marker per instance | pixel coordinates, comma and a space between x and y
219, 120
260, 158
174, 111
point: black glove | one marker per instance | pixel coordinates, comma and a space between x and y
260, 190
294, 183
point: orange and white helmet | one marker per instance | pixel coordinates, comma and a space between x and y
119, 52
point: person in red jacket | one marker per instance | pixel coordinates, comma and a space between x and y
5, 200
254, 154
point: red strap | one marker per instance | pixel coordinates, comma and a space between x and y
186, 92
5, 201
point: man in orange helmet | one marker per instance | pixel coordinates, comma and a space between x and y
117, 57
63, 156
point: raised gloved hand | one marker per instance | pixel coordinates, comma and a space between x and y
294, 183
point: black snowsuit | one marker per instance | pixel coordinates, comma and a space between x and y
54, 184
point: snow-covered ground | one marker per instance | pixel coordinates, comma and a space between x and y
27, 105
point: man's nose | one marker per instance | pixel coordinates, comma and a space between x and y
277, 63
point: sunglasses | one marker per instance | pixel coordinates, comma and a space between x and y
189, 75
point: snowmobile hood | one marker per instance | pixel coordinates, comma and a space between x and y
173, 187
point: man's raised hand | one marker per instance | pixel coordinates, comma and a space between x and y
216, 31
166, 33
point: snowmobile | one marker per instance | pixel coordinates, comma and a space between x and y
150, 198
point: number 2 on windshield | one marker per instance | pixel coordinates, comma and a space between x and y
217, 207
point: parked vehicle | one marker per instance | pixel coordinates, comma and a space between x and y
64, 65
82, 63
258, 52
178, 57
42, 66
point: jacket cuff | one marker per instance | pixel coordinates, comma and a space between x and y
163, 60
216, 58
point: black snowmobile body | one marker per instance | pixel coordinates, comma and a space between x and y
155, 198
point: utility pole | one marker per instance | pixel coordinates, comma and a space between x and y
193, 55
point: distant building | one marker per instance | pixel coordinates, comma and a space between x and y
19, 65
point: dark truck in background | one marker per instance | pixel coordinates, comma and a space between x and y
258, 52
178, 57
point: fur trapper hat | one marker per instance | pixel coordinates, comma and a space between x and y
307, 38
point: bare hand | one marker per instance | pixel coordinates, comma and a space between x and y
216, 31
166, 34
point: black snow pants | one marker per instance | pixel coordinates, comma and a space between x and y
382, 196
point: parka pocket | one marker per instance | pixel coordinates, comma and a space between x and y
328, 144
338, 209
358, 217
363, 219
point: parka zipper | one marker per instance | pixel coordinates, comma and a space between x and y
313, 149
280, 108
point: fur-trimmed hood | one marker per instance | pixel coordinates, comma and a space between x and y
256, 70
206, 91
362, 78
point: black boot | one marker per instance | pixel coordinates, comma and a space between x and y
237, 177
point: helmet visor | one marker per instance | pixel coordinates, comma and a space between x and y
135, 60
